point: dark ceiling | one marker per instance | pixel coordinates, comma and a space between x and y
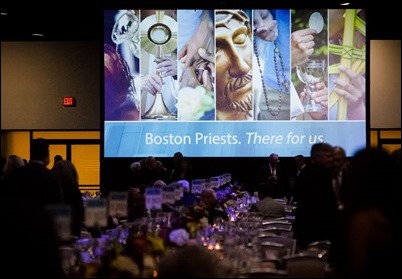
73, 21
62, 23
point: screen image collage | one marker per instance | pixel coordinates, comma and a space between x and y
234, 65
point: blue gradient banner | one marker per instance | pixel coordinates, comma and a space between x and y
228, 139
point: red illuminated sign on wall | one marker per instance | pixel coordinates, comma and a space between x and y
69, 102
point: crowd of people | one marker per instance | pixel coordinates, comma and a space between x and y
349, 201
30, 191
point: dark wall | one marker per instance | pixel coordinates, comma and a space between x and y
35, 76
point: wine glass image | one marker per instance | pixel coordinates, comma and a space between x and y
310, 73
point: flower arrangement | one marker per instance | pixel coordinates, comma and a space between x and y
179, 237
135, 250
194, 103
135, 257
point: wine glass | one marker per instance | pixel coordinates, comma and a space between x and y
310, 73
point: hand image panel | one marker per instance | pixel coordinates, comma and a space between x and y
196, 60
159, 85
310, 62
271, 30
347, 64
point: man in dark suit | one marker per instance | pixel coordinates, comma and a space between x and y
273, 174
299, 163
317, 209
340, 174
30, 228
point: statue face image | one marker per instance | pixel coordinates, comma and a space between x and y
233, 65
